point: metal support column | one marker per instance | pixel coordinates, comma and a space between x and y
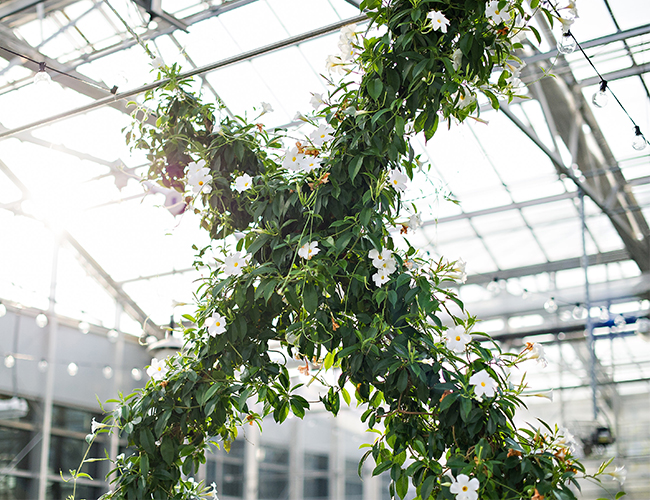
51, 368
588, 326
118, 379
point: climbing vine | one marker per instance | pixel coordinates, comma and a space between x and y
304, 257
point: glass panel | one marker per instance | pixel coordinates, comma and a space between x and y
316, 487
275, 456
316, 462
353, 483
273, 485
66, 454
232, 484
16, 488
12, 442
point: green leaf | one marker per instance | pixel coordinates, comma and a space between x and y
346, 395
448, 400
374, 88
620, 494
310, 297
167, 449
161, 422
144, 464
465, 407
147, 441
354, 167
427, 487
382, 467
402, 485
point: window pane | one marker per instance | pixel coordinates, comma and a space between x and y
316, 487
316, 462
273, 485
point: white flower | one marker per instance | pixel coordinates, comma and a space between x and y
378, 258
94, 426
386, 265
458, 272
457, 59
266, 108
311, 163
347, 33
157, 62
484, 385
216, 324
214, 491
233, 265
538, 353
397, 179
380, 278
157, 370
465, 99
566, 24
308, 250
337, 64
321, 135
438, 20
348, 52
619, 474
294, 160
243, 182
497, 15
199, 177
316, 101
567, 440
415, 222
457, 338
465, 488
299, 117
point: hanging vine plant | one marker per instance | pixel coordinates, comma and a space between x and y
315, 268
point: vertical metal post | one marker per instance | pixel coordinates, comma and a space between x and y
251, 470
51, 365
296, 459
589, 326
118, 380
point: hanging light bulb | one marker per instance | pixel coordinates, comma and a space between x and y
112, 336
600, 98
494, 287
604, 314
42, 77
566, 44
73, 369
84, 327
107, 371
42, 365
3, 309
619, 322
579, 312
41, 320
550, 305
136, 374
639, 141
10, 361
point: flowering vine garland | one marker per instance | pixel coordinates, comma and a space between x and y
316, 269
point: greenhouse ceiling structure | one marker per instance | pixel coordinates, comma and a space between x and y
551, 201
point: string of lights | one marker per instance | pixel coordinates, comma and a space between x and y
43, 76
567, 45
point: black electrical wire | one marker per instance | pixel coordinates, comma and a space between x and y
603, 82
43, 66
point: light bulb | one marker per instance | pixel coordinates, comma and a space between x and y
73, 369
604, 314
600, 98
494, 287
639, 141
550, 305
619, 322
42, 365
3, 309
136, 374
41, 320
579, 312
84, 327
107, 371
112, 336
42, 77
566, 44
643, 325
10, 361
